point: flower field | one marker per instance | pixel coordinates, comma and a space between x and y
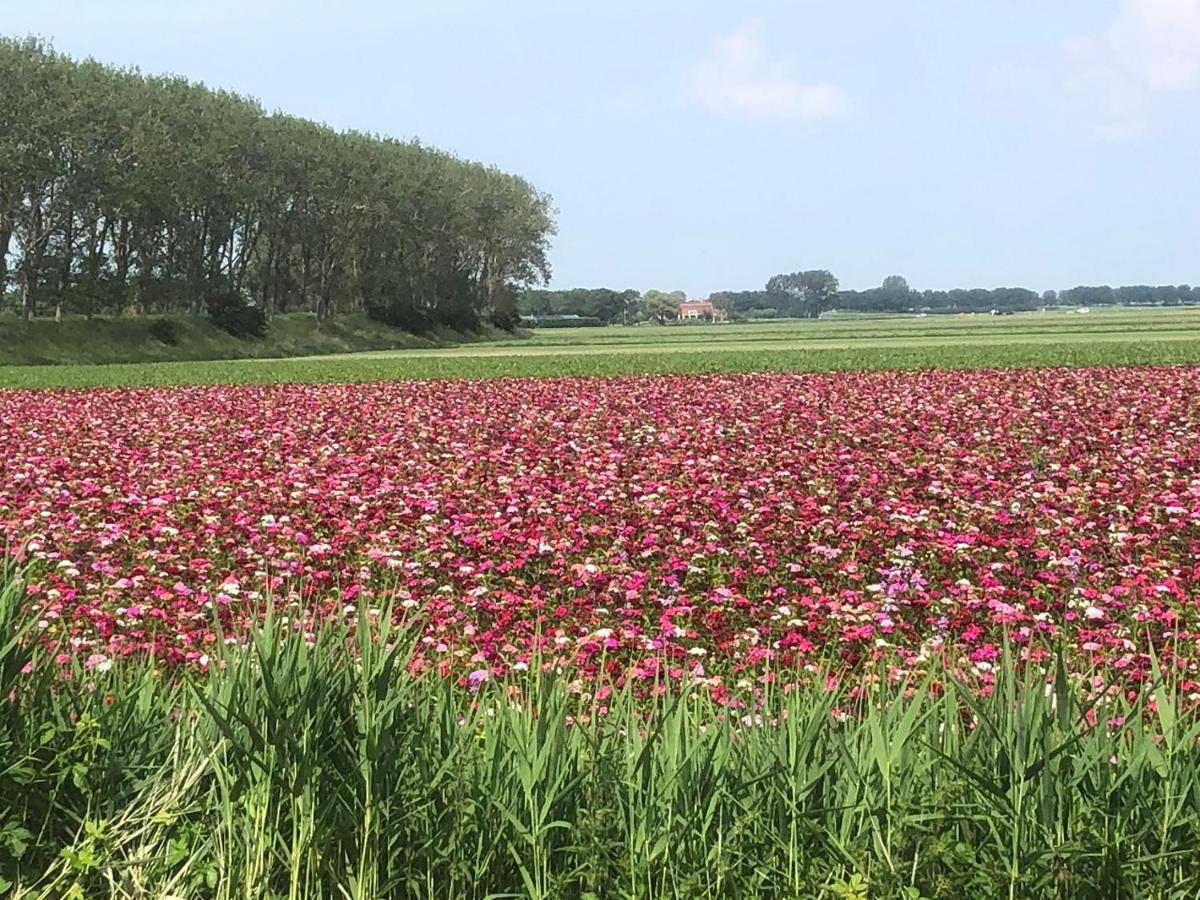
703, 527
886, 634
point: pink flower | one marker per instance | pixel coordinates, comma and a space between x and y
610, 526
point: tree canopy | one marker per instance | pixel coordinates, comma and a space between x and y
122, 191
806, 294
610, 307
660, 306
802, 294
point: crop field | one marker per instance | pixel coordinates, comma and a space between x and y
360, 539
609, 525
841, 634
1102, 337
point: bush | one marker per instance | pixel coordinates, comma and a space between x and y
398, 315
165, 331
232, 313
456, 307
506, 320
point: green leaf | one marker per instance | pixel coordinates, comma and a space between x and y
1062, 691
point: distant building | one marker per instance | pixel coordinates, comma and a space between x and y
700, 309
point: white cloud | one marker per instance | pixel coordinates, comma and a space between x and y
1151, 48
740, 77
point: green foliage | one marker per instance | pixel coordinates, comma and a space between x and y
659, 306
121, 191
105, 339
787, 294
803, 294
896, 296
750, 304
602, 304
322, 768
165, 331
231, 312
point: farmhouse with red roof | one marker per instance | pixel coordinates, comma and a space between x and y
700, 309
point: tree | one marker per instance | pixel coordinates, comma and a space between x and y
724, 302
1087, 295
609, 306
122, 190
658, 306
803, 294
743, 302
41, 154
896, 283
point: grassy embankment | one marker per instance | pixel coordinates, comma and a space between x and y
1107, 337
79, 341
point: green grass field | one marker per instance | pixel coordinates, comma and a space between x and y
1102, 337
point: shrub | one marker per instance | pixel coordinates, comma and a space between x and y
232, 313
165, 331
398, 315
504, 319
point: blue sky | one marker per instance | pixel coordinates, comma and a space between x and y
706, 146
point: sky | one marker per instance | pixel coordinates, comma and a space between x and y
703, 146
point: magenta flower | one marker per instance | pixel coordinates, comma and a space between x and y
627, 528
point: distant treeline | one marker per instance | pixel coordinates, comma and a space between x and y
896, 296
122, 191
809, 293
605, 306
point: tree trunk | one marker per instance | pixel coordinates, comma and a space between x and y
27, 301
264, 300
122, 250
5, 238
325, 303
96, 242
272, 287
305, 276
64, 270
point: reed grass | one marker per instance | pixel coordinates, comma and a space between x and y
313, 767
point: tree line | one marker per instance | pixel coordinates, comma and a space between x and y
782, 298
798, 294
806, 294
603, 305
126, 192
597, 306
